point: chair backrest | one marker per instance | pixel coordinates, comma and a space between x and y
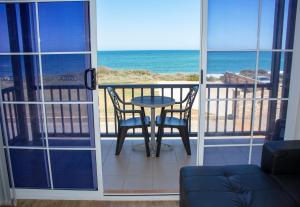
190, 98
115, 100
279, 130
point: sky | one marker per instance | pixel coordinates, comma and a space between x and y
148, 24
175, 24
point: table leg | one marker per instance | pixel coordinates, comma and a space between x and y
152, 141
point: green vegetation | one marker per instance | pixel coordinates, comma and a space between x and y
110, 76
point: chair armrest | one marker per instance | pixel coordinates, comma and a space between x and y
281, 157
174, 110
123, 102
132, 111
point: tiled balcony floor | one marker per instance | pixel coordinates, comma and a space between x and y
133, 172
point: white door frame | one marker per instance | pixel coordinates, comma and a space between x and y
203, 67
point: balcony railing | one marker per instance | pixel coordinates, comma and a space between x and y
229, 109
233, 118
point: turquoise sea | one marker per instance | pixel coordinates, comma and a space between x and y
182, 61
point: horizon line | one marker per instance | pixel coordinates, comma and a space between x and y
148, 50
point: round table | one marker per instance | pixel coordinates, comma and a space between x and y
153, 102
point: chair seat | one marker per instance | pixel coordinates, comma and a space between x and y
171, 122
135, 122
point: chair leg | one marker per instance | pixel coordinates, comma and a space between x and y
146, 139
120, 139
158, 140
185, 139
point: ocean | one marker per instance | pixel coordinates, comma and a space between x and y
183, 61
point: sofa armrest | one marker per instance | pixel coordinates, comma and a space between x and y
281, 157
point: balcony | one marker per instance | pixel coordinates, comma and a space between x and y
227, 132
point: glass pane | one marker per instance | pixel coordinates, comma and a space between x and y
64, 26
267, 24
18, 30
267, 113
70, 125
229, 118
232, 24
23, 124
30, 168
73, 169
19, 78
226, 155
274, 74
230, 69
63, 77
256, 155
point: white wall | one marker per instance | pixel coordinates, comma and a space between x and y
293, 114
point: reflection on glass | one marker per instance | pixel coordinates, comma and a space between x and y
23, 124
267, 112
19, 78
256, 155
274, 74
70, 125
30, 168
64, 26
267, 24
220, 156
73, 169
18, 27
63, 77
232, 24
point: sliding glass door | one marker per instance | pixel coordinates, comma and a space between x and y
49, 109
247, 51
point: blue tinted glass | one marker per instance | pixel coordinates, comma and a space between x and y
19, 78
18, 31
23, 124
63, 77
30, 169
216, 156
267, 24
73, 169
64, 26
70, 125
282, 64
232, 24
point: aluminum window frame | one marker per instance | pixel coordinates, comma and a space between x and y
19, 193
203, 99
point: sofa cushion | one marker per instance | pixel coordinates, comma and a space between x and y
239, 185
291, 184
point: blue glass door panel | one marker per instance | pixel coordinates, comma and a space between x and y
20, 78
73, 169
30, 169
18, 28
63, 77
64, 26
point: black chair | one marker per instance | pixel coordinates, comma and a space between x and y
279, 130
125, 124
182, 124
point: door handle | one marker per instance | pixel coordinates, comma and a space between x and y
93, 79
201, 76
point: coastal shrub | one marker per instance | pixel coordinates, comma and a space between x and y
192, 77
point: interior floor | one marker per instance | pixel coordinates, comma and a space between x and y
133, 172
